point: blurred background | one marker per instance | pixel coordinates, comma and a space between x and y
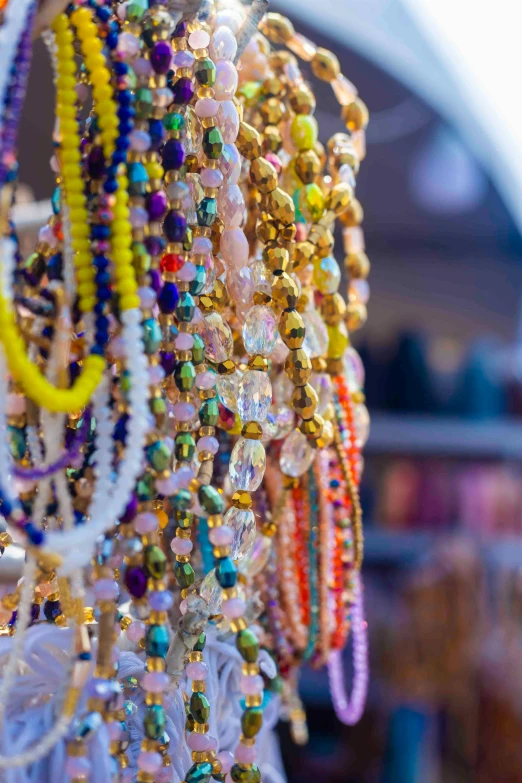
442, 192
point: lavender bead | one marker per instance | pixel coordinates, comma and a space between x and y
160, 600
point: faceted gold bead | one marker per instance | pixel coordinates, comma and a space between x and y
206, 304
326, 437
276, 258
248, 141
321, 237
356, 115
272, 110
266, 229
354, 215
272, 139
278, 60
303, 255
258, 362
307, 166
272, 86
313, 427
339, 198
252, 430
325, 65
304, 401
192, 164
277, 28
357, 265
356, 315
287, 233
260, 298
291, 329
220, 295
298, 366
242, 500
269, 529
227, 367
302, 99
284, 290
263, 175
281, 206
320, 152
333, 309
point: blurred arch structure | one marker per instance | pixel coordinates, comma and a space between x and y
462, 58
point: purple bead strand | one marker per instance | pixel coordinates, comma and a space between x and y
15, 99
350, 709
63, 461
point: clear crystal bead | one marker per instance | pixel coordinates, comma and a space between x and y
261, 275
361, 422
217, 336
353, 370
243, 523
282, 388
269, 427
254, 563
260, 330
316, 336
254, 396
193, 138
227, 389
322, 383
211, 592
296, 455
284, 419
247, 464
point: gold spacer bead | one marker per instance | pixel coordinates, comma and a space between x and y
252, 430
241, 499
258, 362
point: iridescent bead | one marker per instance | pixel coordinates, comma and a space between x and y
260, 330
228, 120
230, 163
234, 247
296, 455
242, 523
247, 465
231, 205
327, 274
223, 44
316, 334
254, 396
226, 80
217, 337
227, 389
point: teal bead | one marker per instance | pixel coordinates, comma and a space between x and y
155, 561
210, 499
182, 500
205, 72
197, 285
135, 10
226, 572
206, 211
159, 456
143, 103
145, 488
155, 721
56, 201
209, 412
198, 349
173, 121
199, 707
157, 641
184, 574
200, 644
185, 446
185, 307
184, 376
199, 773
17, 443
151, 335
212, 143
